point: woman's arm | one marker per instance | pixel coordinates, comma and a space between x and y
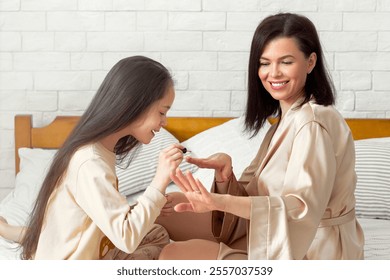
200, 200
185, 225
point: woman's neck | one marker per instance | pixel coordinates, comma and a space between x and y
285, 106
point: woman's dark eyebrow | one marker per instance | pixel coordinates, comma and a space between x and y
283, 57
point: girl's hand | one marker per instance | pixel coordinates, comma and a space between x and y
168, 210
200, 200
169, 160
3, 223
220, 162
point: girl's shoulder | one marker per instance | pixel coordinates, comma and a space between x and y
93, 154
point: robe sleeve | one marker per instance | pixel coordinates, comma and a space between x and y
280, 231
97, 195
226, 227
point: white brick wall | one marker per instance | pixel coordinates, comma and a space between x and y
55, 53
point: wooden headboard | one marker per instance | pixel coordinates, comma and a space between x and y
53, 135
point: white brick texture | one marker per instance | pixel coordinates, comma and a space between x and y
55, 53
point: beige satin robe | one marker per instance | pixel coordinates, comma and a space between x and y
302, 178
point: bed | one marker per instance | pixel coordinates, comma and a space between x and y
36, 146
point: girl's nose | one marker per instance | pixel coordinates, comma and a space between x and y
164, 122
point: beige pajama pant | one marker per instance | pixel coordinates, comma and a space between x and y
149, 248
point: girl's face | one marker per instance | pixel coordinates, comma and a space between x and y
153, 119
283, 70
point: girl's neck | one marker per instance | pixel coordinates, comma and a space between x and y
110, 141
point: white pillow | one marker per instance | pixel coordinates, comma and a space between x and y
373, 182
228, 138
139, 174
17, 205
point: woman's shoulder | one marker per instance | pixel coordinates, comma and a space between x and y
322, 113
312, 112
326, 116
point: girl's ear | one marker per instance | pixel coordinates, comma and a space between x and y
311, 62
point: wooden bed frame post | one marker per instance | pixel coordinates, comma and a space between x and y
23, 125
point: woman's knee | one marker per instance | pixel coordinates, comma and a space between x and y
194, 249
170, 251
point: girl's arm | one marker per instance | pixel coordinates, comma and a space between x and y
13, 233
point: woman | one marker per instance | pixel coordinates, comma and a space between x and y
296, 199
79, 213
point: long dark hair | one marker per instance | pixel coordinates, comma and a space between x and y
260, 104
130, 87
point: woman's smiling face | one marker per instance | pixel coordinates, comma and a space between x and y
283, 70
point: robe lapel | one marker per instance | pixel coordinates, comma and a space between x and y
259, 162
266, 151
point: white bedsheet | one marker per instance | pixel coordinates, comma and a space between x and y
9, 250
377, 239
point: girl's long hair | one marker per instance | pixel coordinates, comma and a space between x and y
128, 90
260, 104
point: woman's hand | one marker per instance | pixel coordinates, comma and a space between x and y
220, 162
200, 200
169, 159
